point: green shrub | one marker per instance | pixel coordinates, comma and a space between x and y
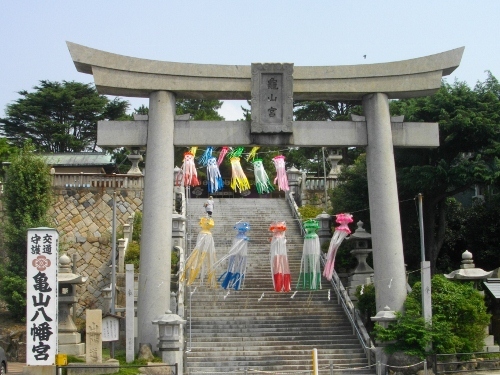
459, 319
14, 295
136, 232
309, 212
27, 198
366, 303
133, 254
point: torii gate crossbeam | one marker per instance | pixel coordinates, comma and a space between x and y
162, 82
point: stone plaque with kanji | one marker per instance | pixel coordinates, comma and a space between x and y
272, 98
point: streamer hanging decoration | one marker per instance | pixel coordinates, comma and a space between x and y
281, 178
338, 236
282, 279
222, 154
238, 179
262, 182
187, 176
235, 152
207, 154
214, 179
203, 258
310, 271
252, 154
234, 277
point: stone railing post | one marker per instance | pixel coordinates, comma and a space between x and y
130, 222
122, 243
294, 178
127, 233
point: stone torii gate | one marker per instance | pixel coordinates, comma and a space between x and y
162, 82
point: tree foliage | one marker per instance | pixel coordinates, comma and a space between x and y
469, 151
310, 159
27, 198
60, 116
469, 131
459, 319
479, 229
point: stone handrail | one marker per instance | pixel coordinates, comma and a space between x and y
97, 180
352, 314
318, 183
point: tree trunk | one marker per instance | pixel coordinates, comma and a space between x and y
434, 228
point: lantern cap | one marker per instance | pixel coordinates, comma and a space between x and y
168, 318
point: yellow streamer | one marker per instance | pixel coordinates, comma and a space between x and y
253, 153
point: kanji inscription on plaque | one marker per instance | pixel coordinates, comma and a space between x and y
272, 98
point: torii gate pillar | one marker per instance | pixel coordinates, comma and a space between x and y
388, 264
156, 238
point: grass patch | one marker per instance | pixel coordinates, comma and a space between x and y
131, 368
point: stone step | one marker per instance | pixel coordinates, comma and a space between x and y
257, 328
351, 345
293, 355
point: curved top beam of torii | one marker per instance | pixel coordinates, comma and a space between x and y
134, 77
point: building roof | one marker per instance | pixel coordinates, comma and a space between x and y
493, 286
79, 159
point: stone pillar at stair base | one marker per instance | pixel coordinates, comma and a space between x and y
384, 317
156, 236
388, 259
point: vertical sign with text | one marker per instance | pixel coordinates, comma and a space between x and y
41, 296
272, 98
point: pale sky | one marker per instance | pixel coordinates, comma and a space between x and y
33, 35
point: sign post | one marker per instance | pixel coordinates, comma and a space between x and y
41, 296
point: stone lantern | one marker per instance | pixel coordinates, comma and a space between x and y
468, 270
363, 271
325, 227
135, 157
170, 337
70, 340
294, 177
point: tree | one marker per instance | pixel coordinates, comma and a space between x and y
469, 126
60, 117
27, 198
200, 109
311, 158
469, 131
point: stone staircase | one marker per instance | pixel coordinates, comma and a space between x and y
256, 328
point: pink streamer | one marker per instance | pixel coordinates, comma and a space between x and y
222, 154
338, 236
281, 178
